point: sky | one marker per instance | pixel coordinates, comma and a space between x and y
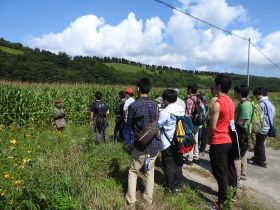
146, 31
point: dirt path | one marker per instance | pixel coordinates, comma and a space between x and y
262, 185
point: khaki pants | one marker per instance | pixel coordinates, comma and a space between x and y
137, 163
241, 167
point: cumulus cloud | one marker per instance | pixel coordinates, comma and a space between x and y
180, 42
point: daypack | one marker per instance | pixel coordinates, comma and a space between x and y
145, 137
101, 122
198, 115
256, 124
183, 139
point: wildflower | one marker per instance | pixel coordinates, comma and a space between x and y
26, 160
28, 151
17, 184
39, 146
7, 175
10, 157
13, 141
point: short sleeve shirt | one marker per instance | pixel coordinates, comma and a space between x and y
244, 112
97, 106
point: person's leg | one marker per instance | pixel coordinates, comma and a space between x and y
168, 168
179, 178
136, 164
219, 164
149, 179
127, 135
261, 148
232, 176
196, 146
237, 164
116, 129
244, 166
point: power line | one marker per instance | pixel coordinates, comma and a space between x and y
218, 28
264, 55
200, 20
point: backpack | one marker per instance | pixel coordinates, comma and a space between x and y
101, 122
183, 139
198, 115
256, 124
145, 137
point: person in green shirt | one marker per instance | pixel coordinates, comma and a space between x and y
243, 114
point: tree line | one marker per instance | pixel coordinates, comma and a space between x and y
37, 65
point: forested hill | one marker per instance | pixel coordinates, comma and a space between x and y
19, 63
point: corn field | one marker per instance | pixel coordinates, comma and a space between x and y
22, 104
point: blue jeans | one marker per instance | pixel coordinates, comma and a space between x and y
127, 135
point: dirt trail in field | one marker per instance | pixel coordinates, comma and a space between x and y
262, 185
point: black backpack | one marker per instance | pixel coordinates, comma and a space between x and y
101, 117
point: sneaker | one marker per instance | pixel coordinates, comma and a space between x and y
216, 206
243, 177
189, 162
238, 184
196, 161
260, 164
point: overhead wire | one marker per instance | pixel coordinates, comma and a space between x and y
219, 28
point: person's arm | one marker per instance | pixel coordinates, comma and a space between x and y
162, 118
214, 118
91, 118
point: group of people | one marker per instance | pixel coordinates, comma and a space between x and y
211, 125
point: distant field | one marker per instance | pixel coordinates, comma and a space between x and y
11, 51
125, 67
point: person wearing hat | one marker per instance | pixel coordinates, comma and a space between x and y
59, 118
127, 132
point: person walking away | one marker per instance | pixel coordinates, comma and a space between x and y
243, 115
269, 113
196, 110
127, 131
98, 118
119, 123
141, 113
167, 122
221, 155
59, 119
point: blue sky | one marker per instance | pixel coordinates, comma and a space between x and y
163, 37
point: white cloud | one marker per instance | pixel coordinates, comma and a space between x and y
180, 42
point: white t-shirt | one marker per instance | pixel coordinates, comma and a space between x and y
127, 103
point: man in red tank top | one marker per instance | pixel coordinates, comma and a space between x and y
221, 156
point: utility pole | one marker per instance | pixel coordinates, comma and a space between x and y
248, 64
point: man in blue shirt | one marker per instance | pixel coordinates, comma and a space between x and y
140, 113
269, 112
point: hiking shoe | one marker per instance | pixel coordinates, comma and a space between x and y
243, 177
216, 206
238, 184
189, 162
196, 161
260, 164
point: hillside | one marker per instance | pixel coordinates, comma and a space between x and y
19, 63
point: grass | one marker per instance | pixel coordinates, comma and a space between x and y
125, 67
74, 173
11, 51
